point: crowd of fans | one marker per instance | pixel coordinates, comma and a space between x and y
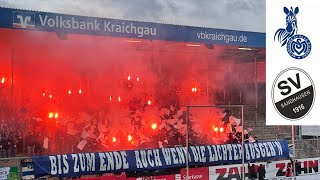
256, 172
11, 139
29, 137
22, 138
236, 137
34, 138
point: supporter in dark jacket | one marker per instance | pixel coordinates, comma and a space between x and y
38, 144
262, 172
289, 170
13, 144
5, 144
30, 139
298, 168
252, 171
20, 142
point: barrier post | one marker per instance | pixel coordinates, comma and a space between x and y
242, 144
293, 152
13, 56
187, 144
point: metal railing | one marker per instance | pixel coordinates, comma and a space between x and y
14, 162
306, 148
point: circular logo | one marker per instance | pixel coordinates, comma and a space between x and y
299, 46
293, 93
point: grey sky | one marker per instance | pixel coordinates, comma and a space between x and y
248, 15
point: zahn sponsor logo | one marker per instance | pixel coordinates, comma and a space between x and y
23, 20
293, 93
298, 45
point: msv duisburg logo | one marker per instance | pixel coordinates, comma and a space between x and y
23, 20
298, 46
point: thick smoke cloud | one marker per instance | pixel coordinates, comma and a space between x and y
106, 68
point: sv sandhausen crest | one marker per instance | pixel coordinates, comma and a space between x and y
298, 45
293, 93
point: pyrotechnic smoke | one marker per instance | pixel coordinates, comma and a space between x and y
120, 81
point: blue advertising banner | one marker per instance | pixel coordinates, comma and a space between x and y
51, 22
71, 165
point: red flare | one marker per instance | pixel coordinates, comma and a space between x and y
194, 89
154, 126
56, 115
129, 138
50, 115
3, 80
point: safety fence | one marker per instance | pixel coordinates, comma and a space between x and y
273, 170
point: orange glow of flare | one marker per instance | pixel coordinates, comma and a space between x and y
149, 102
80, 91
69, 92
194, 89
221, 129
216, 129
114, 139
138, 78
129, 77
3, 80
119, 98
154, 126
50, 115
129, 138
